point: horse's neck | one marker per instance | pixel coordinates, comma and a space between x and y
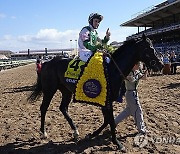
125, 62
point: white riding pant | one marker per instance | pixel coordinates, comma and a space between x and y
85, 55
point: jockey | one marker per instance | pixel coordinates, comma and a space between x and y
89, 41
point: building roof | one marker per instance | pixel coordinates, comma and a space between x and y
38, 53
5, 52
48, 50
154, 15
3, 57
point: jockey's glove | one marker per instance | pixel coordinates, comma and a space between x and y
99, 46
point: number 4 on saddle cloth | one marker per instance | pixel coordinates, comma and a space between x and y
75, 67
92, 84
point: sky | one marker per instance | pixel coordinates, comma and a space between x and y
39, 24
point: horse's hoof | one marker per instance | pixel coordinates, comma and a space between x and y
89, 136
121, 148
119, 145
76, 140
76, 135
43, 135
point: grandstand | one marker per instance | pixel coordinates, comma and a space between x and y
6, 53
45, 54
161, 23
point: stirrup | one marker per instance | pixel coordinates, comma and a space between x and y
77, 57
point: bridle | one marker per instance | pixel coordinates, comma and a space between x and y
119, 70
152, 62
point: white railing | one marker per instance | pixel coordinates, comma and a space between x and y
8, 64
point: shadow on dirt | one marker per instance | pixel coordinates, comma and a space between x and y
171, 86
33, 146
19, 89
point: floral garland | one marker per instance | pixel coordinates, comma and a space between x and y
95, 78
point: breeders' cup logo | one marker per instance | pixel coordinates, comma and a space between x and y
141, 140
71, 80
92, 88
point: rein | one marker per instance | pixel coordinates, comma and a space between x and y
120, 72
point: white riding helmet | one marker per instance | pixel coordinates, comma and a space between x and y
94, 16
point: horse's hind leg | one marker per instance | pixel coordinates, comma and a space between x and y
110, 116
44, 106
98, 131
66, 99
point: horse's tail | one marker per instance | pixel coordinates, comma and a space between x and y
37, 90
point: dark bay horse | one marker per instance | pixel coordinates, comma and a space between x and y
122, 62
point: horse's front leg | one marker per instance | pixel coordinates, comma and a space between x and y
108, 119
66, 99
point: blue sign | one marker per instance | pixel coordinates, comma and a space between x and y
92, 88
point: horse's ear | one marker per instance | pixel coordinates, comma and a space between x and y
143, 36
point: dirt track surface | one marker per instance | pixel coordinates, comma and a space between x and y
20, 121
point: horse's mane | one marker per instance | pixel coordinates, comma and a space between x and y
123, 47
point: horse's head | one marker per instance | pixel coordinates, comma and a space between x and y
148, 55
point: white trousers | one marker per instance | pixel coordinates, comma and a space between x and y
85, 55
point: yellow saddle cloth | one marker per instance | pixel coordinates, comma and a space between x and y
91, 87
73, 71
